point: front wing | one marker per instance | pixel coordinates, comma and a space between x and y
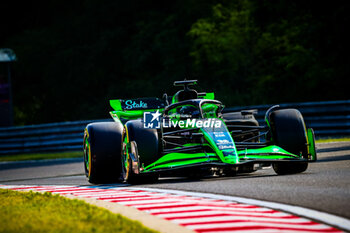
270, 154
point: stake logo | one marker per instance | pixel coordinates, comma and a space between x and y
151, 120
130, 104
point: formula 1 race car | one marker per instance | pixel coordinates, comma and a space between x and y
189, 135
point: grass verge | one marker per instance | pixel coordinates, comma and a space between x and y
43, 212
40, 156
325, 140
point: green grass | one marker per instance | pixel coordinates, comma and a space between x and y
38, 156
43, 212
323, 140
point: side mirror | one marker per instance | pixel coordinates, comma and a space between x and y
165, 97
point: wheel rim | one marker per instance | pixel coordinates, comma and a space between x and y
125, 157
87, 153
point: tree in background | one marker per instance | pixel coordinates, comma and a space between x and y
75, 56
260, 49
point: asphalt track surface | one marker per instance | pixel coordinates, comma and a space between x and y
325, 186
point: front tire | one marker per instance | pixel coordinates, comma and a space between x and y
289, 132
102, 151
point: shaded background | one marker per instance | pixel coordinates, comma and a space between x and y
73, 56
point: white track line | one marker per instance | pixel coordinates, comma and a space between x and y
233, 218
247, 224
215, 212
254, 231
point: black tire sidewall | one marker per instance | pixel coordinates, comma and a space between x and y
289, 132
105, 140
147, 141
148, 148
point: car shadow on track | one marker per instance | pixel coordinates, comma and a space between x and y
172, 180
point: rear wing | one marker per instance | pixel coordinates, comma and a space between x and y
137, 104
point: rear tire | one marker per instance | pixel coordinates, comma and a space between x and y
145, 147
237, 118
147, 141
102, 152
240, 119
289, 132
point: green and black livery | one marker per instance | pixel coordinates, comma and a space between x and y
124, 150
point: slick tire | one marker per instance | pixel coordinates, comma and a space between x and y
289, 132
147, 140
145, 147
102, 152
237, 118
